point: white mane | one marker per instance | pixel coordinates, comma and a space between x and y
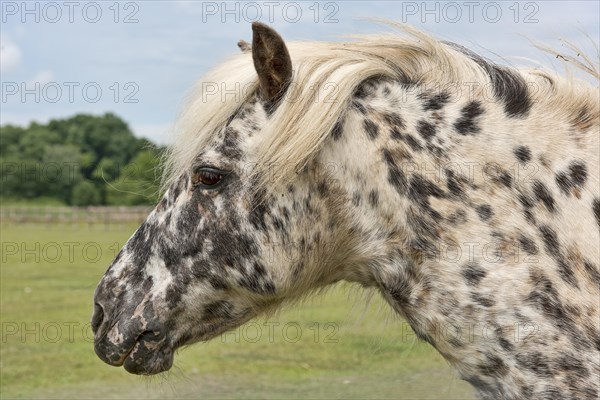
326, 74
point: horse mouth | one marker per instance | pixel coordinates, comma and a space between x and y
150, 354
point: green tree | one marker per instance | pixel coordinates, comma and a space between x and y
85, 193
10, 136
34, 140
107, 170
55, 159
139, 182
60, 171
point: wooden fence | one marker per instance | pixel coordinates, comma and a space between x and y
106, 217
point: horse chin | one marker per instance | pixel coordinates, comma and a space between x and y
149, 357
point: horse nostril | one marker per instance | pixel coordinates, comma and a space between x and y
97, 318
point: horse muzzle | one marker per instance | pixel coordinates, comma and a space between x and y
140, 349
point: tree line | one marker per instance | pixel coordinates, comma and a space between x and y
80, 161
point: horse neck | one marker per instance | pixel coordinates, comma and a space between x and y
443, 195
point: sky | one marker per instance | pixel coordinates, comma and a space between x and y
138, 59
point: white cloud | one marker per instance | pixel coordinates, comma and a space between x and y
10, 55
42, 78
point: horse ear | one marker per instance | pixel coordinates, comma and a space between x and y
271, 61
244, 46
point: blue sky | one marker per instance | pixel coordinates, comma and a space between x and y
138, 58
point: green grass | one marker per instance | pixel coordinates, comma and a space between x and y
371, 354
35, 202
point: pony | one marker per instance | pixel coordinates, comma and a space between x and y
466, 193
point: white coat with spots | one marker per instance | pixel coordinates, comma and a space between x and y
466, 193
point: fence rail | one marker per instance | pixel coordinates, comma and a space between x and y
74, 216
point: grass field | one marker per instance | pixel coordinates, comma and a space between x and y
338, 345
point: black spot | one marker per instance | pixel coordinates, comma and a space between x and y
505, 344
505, 178
485, 212
139, 246
371, 128
337, 130
257, 280
436, 102
546, 299
563, 182
527, 202
426, 232
401, 294
483, 300
467, 123
596, 210
278, 224
550, 240
259, 211
553, 249
230, 146
426, 130
189, 217
412, 142
493, 366
584, 119
458, 217
394, 121
593, 273
543, 194
373, 198
453, 183
574, 178
218, 283
359, 107
169, 255
527, 244
572, 365
395, 134
175, 189
217, 310
509, 86
566, 272
421, 188
526, 391
523, 153
395, 176
578, 173
356, 199
322, 188
473, 274
535, 362
361, 91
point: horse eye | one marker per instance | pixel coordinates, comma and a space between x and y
207, 177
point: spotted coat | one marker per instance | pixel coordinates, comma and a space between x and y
477, 219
